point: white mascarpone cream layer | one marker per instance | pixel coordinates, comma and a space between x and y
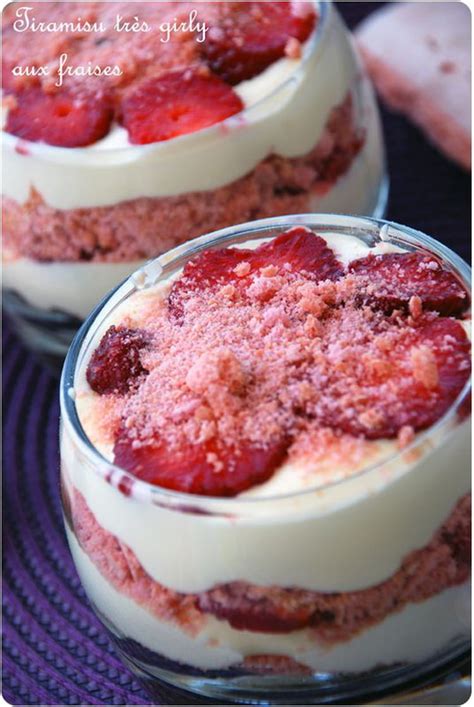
410, 635
75, 288
339, 537
287, 107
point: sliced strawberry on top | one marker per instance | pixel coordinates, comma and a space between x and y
396, 277
115, 365
411, 382
61, 119
252, 35
208, 469
213, 267
177, 103
297, 250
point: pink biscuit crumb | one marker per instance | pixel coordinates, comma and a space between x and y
406, 436
293, 48
425, 367
220, 367
22, 148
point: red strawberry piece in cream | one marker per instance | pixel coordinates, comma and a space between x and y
296, 250
405, 378
61, 119
397, 277
115, 364
177, 103
252, 35
208, 469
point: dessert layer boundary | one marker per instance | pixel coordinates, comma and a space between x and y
445, 617
34, 280
228, 547
74, 288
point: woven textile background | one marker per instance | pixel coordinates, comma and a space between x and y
55, 651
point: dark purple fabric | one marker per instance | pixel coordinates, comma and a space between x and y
55, 651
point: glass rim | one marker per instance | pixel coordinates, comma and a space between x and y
55, 152
357, 226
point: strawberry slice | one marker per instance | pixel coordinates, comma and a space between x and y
424, 370
208, 469
9, 82
250, 36
300, 250
211, 268
59, 119
396, 277
297, 250
115, 365
267, 610
177, 103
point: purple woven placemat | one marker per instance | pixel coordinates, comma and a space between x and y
55, 650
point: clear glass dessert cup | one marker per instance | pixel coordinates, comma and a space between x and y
53, 193
138, 547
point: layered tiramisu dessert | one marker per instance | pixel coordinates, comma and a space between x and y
205, 115
268, 470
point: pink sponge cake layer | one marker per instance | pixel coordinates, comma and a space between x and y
334, 617
419, 56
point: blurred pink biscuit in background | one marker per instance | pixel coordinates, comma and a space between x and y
419, 56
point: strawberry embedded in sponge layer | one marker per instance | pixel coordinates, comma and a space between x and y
177, 103
336, 616
333, 616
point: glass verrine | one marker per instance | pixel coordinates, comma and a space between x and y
77, 221
150, 558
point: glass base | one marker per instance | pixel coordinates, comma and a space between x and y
393, 685
48, 333
165, 678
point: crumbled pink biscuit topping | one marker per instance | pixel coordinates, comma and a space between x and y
252, 356
425, 368
406, 435
415, 306
239, 367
